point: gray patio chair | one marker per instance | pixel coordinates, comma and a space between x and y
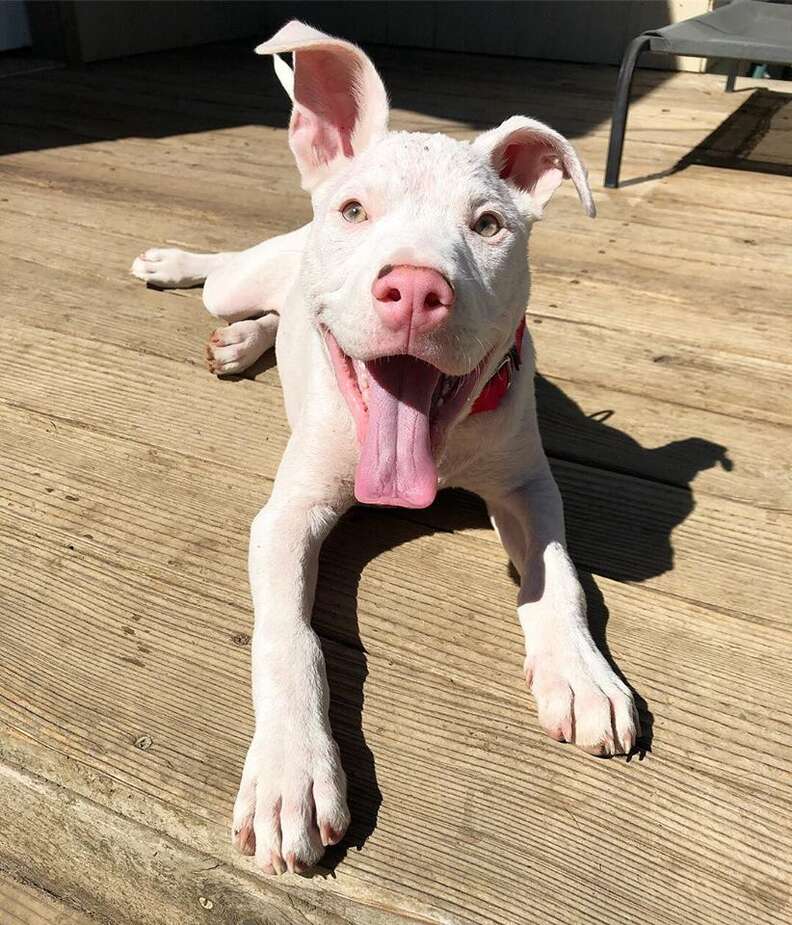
745, 30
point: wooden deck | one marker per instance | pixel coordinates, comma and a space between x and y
130, 476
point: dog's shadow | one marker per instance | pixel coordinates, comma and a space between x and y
622, 503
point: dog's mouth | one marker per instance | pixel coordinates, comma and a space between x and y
403, 408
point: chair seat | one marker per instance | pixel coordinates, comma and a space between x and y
753, 30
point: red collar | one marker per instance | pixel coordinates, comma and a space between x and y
493, 392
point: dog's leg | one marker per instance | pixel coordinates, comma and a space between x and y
257, 280
171, 268
249, 291
292, 798
579, 697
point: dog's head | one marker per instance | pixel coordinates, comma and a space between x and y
416, 271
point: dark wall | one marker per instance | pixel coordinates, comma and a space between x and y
573, 30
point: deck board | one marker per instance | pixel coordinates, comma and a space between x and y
22, 904
129, 478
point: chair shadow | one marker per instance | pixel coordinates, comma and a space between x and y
619, 525
737, 142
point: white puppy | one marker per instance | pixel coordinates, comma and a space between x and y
405, 364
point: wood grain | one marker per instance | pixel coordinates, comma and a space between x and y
22, 904
129, 477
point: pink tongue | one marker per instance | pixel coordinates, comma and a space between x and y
396, 463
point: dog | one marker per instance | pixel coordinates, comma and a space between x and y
398, 318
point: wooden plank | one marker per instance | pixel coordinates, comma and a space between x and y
160, 402
129, 478
127, 872
749, 320
442, 667
668, 370
174, 325
743, 297
480, 74
23, 904
177, 219
773, 147
78, 123
744, 460
758, 242
138, 111
741, 459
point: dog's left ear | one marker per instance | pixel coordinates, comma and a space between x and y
532, 157
340, 104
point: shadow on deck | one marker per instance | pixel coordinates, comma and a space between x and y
624, 535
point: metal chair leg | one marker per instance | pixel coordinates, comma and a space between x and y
734, 66
621, 103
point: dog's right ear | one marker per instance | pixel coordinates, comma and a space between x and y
340, 104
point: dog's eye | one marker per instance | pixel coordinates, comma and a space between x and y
354, 212
487, 225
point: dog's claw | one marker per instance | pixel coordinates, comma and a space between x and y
330, 836
589, 706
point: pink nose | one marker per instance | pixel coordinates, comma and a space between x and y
415, 299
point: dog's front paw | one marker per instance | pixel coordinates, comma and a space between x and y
169, 268
580, 699
234, 348
292, 801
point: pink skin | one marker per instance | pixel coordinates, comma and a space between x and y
399, 393
412, 301
402, 405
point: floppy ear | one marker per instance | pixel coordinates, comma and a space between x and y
534, 158
340, 104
